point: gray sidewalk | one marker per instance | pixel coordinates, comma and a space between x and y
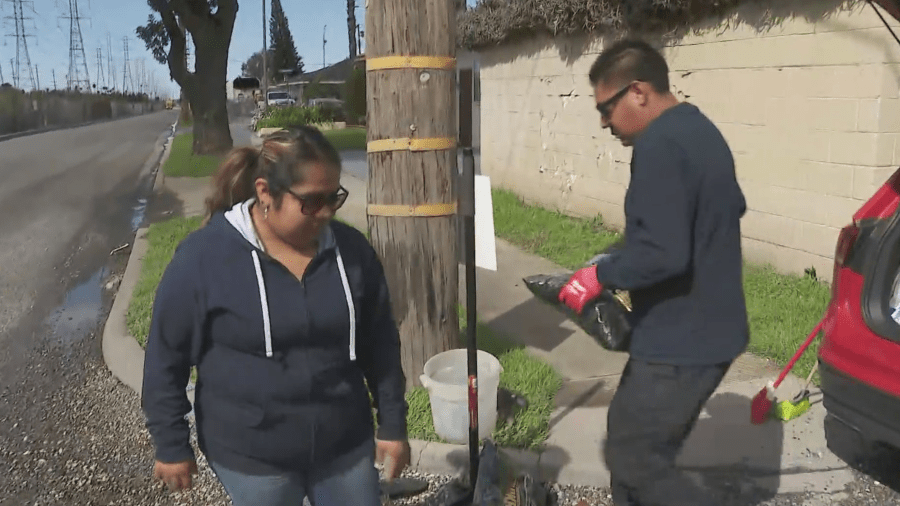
772, 458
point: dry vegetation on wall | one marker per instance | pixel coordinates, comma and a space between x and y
493, 22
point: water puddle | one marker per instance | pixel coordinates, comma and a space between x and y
138, 213
79, 314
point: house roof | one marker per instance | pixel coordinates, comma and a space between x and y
332, 74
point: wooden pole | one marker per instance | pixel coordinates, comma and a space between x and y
412, 132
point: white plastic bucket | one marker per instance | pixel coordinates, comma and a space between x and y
446, 379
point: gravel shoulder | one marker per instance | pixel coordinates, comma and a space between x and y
85, 443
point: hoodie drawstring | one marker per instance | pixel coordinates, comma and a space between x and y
267, 328
346, 283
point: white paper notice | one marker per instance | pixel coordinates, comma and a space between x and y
485, 244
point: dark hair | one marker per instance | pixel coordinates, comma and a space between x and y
631, 60
281, 160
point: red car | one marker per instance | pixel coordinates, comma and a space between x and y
859, 358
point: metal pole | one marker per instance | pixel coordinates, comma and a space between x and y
323, 45
265, 57
467, 208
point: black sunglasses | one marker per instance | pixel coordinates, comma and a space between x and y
312, 204
605, 107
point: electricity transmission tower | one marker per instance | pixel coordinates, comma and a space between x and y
110, 67
22, 59
79, 77
126, 76
101, 77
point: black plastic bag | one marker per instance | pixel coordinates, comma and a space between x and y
499, 483
605, 318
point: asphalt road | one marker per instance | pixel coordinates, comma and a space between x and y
68, 198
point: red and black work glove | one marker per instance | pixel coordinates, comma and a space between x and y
582, 288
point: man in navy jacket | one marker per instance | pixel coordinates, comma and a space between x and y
682, 265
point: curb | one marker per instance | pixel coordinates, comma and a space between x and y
122, 354
167, 150
551, 465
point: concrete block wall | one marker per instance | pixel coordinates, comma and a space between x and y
810, 108
22, 112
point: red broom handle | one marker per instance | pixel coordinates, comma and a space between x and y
799, 353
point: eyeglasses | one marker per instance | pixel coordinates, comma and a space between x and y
605, 107
312, 204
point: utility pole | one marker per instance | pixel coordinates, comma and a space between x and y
323, 45
413, 170
77, 59
54, 78
1, 75
37, 78
352, 29
265, 58
22, 58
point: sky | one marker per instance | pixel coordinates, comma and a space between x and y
106, 23
48, 48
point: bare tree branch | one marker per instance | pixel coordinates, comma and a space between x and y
177, 63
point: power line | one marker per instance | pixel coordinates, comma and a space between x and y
22, 57
79, 77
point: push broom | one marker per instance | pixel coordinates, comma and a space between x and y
762, 404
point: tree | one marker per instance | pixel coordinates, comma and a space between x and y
355, 95
284, 51
253, 67
210, 24
351, 27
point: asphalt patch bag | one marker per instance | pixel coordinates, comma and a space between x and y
604, 318
499, 483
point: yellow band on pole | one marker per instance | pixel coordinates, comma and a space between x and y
410, 62
404, 144
421, 210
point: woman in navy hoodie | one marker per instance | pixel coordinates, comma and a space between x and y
286, 315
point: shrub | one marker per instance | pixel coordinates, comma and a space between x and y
293, 116
494, 22
355, 96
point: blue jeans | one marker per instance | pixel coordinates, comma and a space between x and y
352, 479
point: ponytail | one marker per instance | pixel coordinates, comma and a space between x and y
287, 156
234, 181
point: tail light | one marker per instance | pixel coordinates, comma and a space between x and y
845, 243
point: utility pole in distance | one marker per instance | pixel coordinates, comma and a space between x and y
265, 58
411, 148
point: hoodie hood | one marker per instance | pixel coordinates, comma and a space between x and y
239, 218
